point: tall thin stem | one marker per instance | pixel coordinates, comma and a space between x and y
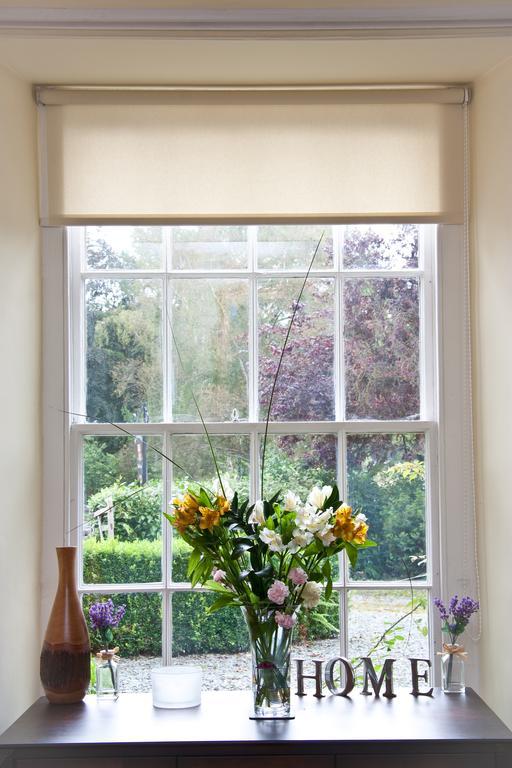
295, 308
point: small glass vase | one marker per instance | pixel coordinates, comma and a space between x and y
107, 674
452, 668
271, 651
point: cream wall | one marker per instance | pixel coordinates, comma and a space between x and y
20, 351
492, 329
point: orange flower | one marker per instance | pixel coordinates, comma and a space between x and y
361, 529
209, 518
183, 517
223, 505
341, 527
349, 528
190, 503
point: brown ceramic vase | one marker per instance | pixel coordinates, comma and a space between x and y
65, 658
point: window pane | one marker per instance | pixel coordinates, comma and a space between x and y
381, 332
292, 247
210, 323
139, 638
193, 454
380, 246
305, 385
124, 350
124, 247
388, 624
209, 248
218, 643
122, 531
386, 481
298, 462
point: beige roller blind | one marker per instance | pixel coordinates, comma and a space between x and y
326, 154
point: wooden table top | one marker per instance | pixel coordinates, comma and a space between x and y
223, 718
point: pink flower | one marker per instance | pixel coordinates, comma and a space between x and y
218, 575
297, 576
285, 620
278, 592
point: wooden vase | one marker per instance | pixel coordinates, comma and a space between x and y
66, 655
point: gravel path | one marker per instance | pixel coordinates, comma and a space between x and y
232, 671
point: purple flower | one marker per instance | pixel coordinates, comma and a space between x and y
103, 615
456, 618
440, 607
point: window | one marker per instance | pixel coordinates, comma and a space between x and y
162, 315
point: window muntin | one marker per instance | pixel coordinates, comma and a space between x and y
315, 439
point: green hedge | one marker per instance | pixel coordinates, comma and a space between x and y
194, 630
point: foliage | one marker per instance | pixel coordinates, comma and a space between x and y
393, 497
122, 562
123, 342
137, 509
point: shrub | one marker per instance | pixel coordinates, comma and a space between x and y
122, 562
137, 511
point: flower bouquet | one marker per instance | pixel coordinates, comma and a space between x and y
454, 620
271, 559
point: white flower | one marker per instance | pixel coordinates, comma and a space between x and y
311, 594
360, 518
273, 539
291, 501
326, 536
303, 516
228, 492
318, 496
319, 520
300, 540
257, 516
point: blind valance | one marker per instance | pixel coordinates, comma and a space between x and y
171, 155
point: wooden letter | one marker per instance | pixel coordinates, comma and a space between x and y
385, 676
317, 677
416, 676
349, 676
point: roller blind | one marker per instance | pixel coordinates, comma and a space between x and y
210, 155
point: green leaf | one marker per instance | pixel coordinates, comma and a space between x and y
265, 572
221, 602
204, 499
333, 500
352, 553
367, 543
193, 561
215, 586
241, 547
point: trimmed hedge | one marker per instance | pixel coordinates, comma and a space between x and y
194, 630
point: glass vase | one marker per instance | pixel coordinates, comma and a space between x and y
270, 650
452, 668
107, 675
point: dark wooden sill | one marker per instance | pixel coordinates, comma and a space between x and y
334, 732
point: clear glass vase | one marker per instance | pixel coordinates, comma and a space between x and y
107, 675
271, 650
452, 668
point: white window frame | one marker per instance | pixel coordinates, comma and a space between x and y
444, 350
